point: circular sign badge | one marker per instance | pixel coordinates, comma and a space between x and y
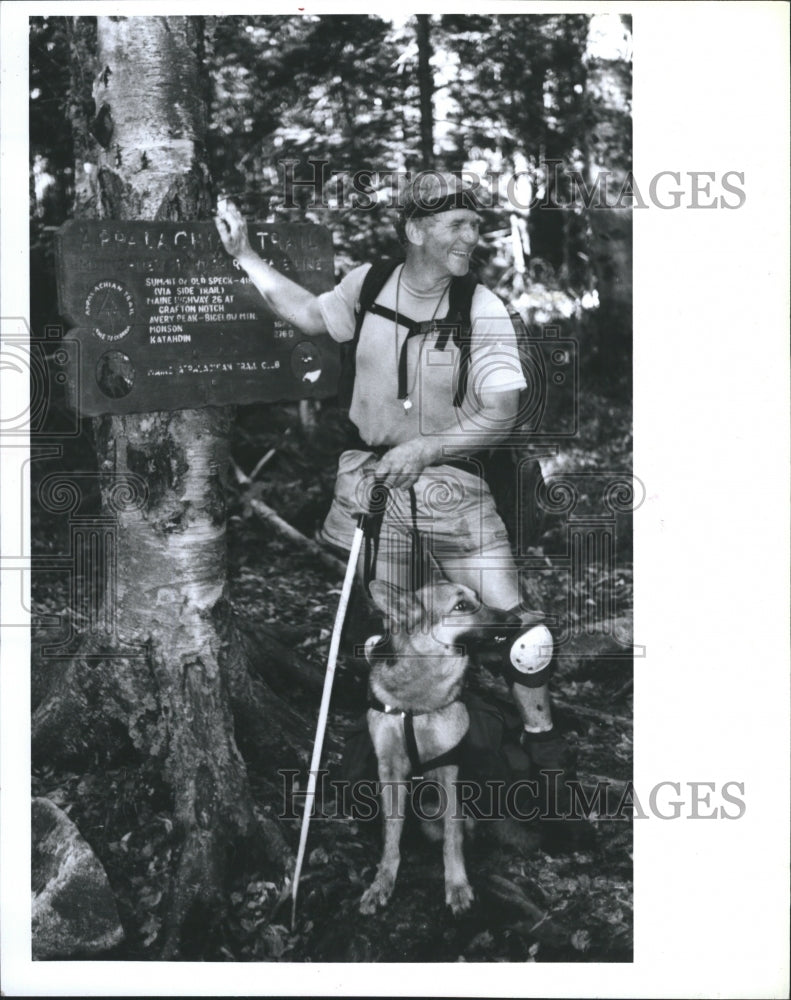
306, 362
110, 307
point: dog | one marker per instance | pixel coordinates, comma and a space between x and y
416, 719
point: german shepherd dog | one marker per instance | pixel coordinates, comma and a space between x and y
417, 719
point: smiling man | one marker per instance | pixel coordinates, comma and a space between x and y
426, 403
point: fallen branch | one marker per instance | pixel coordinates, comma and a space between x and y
282, 666
283, 528
592, 713
262, 462
245, 480
241, 477
603, 779
624, 690
539, 924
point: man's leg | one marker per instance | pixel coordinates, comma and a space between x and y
497, 585
470, 543
495, 578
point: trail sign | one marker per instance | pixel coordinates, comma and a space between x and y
164, 319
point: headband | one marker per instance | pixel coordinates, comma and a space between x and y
422, 206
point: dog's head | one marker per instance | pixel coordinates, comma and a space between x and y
444, 613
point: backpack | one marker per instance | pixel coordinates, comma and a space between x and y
501, 466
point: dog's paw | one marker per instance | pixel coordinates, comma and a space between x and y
377, 894
459, 897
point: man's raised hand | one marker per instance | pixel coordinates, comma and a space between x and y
287, 299
232, 228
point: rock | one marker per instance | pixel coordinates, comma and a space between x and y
74, 912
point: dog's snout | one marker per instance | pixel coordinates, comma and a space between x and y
498, 616
489, 626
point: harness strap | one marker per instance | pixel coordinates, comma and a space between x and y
445, 330
387, 313
465, 347
402, 362
414, 329
416, 555
371, 551
455, 324
371, 525
418, 767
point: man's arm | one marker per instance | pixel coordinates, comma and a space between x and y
486, 426
290, 301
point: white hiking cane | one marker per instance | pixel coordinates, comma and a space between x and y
318, 743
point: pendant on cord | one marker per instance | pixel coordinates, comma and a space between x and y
407, 404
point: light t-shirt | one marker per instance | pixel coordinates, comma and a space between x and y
432, 374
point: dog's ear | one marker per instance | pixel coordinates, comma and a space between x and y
399, 606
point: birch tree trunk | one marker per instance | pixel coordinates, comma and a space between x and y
175, 695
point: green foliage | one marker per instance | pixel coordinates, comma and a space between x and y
334, 90
322, 97
520, 81
318, 98
50, 133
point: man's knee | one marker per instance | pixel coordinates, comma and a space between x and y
529, 659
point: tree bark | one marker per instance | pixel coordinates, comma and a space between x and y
185, 672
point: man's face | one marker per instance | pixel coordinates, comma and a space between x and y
448, 240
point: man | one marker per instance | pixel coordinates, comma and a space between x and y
413, 439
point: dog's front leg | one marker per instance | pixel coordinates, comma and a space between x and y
458, 891
394, 799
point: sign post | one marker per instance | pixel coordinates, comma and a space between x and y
164, 319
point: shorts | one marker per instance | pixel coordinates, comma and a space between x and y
455, 515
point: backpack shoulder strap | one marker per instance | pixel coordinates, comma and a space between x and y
373, 283
460, 296
518, 324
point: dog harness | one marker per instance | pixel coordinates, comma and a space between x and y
418, 767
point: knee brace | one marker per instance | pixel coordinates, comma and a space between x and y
527, 656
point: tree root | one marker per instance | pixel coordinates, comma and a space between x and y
195, 902
92, 703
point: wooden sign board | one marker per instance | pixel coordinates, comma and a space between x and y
166, 320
